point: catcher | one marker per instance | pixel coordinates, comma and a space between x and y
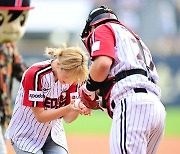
123, 70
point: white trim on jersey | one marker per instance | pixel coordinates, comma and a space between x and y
36, 80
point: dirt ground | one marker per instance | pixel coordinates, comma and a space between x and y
100, 145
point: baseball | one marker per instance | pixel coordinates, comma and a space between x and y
77, 103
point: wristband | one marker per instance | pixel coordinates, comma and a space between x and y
92, 85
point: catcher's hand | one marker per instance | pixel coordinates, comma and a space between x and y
89, 103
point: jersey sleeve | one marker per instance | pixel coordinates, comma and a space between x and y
33, 95
103, 42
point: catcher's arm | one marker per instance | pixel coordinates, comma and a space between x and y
98, 72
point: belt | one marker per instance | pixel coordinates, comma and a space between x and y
136, 90
123, 74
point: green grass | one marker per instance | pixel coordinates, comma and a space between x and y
172, 122
100, 123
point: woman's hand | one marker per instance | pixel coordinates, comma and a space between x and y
79, 105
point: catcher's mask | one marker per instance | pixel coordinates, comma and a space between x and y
96, 17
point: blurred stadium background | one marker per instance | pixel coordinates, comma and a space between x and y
157, 22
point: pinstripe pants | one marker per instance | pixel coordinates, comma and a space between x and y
137, 127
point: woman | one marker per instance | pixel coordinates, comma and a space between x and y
44, 99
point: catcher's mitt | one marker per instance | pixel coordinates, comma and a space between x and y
91, 104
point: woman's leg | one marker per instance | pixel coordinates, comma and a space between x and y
50, 147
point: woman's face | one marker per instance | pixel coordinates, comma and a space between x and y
64, 76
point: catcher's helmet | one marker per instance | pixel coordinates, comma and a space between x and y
17, 5
98, 16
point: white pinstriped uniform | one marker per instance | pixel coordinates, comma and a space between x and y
24, 130
138, 118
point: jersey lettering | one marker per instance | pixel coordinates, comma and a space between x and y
74, 95
53, 103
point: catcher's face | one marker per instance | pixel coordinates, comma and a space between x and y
13, 30
86, 38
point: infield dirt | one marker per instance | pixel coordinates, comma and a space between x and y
83, 144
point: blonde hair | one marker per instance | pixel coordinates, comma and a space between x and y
73, 60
